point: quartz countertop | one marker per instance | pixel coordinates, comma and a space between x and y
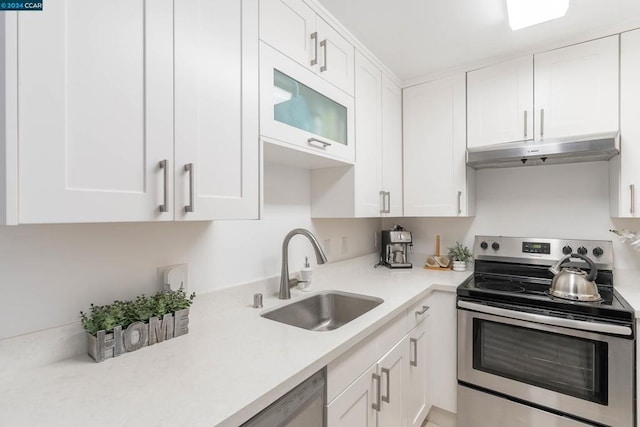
232, 364
627, 283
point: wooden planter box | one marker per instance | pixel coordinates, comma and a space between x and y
137, 335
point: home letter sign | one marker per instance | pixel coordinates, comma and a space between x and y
137, 335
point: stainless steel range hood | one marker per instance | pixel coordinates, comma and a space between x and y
586, 148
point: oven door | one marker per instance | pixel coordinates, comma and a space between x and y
570, 370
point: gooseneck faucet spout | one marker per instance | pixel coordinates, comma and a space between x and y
285, 282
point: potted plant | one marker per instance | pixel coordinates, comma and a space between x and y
460, 254
124, 326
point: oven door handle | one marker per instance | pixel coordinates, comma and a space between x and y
547, 320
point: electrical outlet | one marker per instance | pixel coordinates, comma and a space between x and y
345, 245
173, 277
326, 247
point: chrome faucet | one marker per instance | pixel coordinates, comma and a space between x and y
285, 282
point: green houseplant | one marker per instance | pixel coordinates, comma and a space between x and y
123, 326
459, 254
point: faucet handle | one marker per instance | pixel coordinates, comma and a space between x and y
293, 282
257, 300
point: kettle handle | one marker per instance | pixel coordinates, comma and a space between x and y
593, 270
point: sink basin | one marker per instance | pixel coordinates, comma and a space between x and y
324, 311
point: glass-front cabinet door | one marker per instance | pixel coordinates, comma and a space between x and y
301, 110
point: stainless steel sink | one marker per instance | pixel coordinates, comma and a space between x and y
324, 311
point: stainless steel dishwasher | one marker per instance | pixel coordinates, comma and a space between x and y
303, 406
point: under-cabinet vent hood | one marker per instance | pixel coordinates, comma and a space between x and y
587, 148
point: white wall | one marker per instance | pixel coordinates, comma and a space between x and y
49, 273
560, 201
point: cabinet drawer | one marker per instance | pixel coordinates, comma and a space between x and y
348, 367
419, 311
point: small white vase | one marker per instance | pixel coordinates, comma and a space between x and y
459, 266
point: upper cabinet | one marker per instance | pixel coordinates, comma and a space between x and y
576, 89
216, 110
500, 103
624, 171
95, 132
294, 29
436, 179
392, 146
564, 92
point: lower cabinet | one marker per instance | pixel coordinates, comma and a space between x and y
383, 381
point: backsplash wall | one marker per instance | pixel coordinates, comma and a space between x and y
559, 201
51, 272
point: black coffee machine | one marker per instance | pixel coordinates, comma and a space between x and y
394, 251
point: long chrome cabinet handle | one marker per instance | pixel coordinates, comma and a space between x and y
315, 141
387, 372
459, 203
323, 45
376, 404
165, 193
388, 202
314, 37
189, 168
382, 202
632, 191
541, 122
425, 308
414, 362
547, 320
525, 123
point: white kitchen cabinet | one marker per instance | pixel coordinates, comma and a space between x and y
297, 31
569, 91
500, 103
373, 186
443, 379
368, 168
216, 110
436, 179
94, 110
96, 131
576, 89
392, 146
393, 371
418, 391
624, 172
355, 406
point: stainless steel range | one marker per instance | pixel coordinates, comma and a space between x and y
529, 358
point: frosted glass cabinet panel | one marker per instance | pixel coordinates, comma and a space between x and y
300, 106
302, 111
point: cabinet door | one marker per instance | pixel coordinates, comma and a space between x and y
216, 109
288, 25
354, 407
626, 182
392, 145
576, 89
500, 103
335, 57
95, 111
434, 148
368, 138
418, 393
442, 327
393, 371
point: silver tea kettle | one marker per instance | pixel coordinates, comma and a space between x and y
574, 284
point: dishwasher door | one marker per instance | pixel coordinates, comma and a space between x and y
301, 407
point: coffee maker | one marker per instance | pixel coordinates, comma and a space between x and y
394, 251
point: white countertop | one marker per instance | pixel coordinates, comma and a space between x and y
232, 364
627, 283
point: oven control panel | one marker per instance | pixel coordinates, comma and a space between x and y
541, 250
536, 248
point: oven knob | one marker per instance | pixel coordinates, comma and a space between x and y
567, 250
582, 250
598, 251
484, 245
495, 246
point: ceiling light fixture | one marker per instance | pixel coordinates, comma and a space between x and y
525, 13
